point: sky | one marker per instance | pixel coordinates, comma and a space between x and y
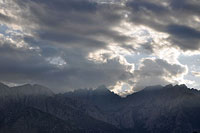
123, 44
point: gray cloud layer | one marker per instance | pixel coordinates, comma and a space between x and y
58, 35
175, 17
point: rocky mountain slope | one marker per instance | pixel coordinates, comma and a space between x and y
155, 109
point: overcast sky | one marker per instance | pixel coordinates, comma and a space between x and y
123, 44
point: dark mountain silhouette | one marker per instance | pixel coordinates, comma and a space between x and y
155, 109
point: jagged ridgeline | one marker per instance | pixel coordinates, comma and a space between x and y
155, 109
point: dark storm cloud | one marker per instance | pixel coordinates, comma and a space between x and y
4, 18
140, 5
175, 18
78, 23
186, 37
71, 39
27, 66
192, 7
21, 64
183, 32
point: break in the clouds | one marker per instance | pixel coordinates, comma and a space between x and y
123, 44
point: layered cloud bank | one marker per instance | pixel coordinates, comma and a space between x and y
123, 44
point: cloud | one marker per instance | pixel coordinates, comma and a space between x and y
50, 67
197, 74
156, 72
4, 18
183, 32
142, 5
81, 23
70, 44
174, 17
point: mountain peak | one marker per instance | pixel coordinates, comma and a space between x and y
168, 86
35, 89
3, 85
25, 85
181, 86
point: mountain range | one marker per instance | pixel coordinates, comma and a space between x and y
155, 109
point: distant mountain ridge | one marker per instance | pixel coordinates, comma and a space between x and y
24, 90
154, 109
